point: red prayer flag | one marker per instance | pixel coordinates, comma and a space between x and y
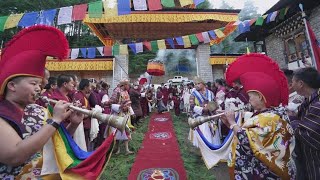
148, 45
107, 51
79, 12
154, 5
200, 37
315, 46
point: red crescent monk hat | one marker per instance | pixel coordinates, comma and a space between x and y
260, 73
26, 53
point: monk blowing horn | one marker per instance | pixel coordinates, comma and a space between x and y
195, 122
111, 120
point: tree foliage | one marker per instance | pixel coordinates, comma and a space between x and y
249, 11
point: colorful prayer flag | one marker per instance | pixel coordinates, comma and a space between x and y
110, 8
171, 43
84, 52
107, 51
3, 20
154, 46
206, 38
13, 21
198, 2
212, 34
283, 12
219, 33
179, 41
92, 52
133, 47
123, 49
199, 36
47, 17
185, 2
148, 45
100, 49
168, 3
28, 19
115, 50
139, 47
193, 39
74, 53
95, 9
64, 16
259, 21
79, 12
124, 7
273, 16
140, 5
161, 44
154, 5
186, 41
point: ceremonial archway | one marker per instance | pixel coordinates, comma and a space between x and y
156, 25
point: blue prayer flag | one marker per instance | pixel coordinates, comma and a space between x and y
47, 17
170, 41
212, 34
92, 52
28, 19
179, 41
84, 52
124, 7
133, 47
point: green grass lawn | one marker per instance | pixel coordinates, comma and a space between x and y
119, 165
191, 156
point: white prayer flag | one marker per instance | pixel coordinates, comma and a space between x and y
206, 38
140, 5
139, 47
273, 16
65, 14
100, 49
74, 53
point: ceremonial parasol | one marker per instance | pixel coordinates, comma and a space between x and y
155, 68
142, 81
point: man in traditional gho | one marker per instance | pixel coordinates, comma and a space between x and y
306, 125
22, 70
121, 105
262, 146
295, 100
199, 101
135, 96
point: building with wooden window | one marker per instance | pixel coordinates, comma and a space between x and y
284, 39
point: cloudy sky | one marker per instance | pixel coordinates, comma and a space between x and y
263, 5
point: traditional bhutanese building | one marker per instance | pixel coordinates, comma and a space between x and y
140, 26
285, 38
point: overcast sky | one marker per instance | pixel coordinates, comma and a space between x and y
263, 5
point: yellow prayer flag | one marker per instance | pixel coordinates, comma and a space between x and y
248, 50
13, 21
161, 44
186, 41
62, 158
123, 49
110, 8
265, 16
219, 33
185, 2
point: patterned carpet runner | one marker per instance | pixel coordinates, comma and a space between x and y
159, 155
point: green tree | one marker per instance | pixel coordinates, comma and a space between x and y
249, 11
225, 5
138, 63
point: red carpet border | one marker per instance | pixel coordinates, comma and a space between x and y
159, 155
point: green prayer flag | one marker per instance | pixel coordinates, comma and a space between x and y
95, 9
193, 39
259, 21
3, 20
168, 3
283, 12
115, 50
154, 46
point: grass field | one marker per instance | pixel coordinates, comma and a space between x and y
119, 165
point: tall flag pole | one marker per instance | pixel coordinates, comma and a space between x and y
314, 63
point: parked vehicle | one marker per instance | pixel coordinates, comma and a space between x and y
178, 79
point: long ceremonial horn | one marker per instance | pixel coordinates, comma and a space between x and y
111, 120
